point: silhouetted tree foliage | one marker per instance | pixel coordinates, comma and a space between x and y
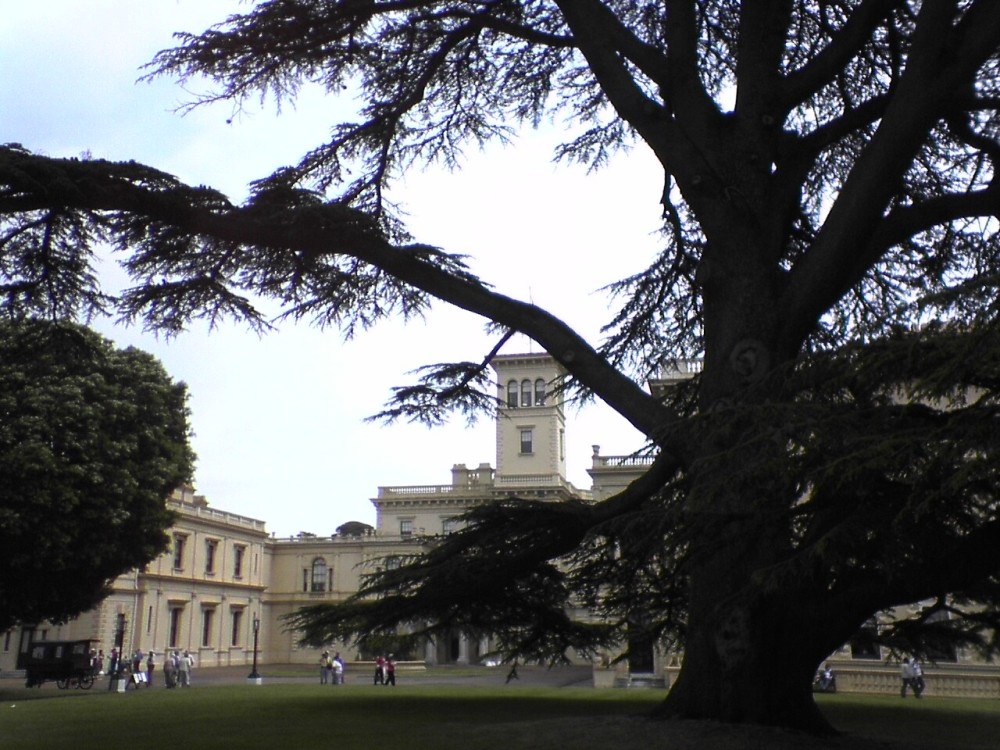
92, 441
829, 249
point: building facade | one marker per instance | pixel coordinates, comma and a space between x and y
201, 595
224, 583
222, 588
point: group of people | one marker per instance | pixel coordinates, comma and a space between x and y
331, 669
385, 670
177, 668
912, 675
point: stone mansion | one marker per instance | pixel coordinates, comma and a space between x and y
225, 583
223, 574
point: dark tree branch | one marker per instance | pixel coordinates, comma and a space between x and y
834, 263
318, 231
823, 67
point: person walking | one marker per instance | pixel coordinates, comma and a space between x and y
390, 671
906, 675
150, 666
138, 673
512, 674
380, 670
184, 665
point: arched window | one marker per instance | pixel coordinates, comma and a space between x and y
525, 393
319, 575
540, 392
512, 394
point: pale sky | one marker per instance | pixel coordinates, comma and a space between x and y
278, 421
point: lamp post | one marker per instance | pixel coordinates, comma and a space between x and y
256, 632
119, 673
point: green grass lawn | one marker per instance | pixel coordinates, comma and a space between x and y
293, 716
936, 722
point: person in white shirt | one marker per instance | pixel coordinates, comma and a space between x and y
906, 675
338, 669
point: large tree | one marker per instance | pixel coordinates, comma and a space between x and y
92, 441
829, 182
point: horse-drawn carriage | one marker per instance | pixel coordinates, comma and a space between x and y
69, 663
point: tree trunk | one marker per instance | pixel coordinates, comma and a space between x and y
751, 644
745, 666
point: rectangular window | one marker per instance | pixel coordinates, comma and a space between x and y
939, 649
6, 640
179, 541
450, 525
149, 620
406, 527
207, 617
863, 645
526, 441
236, 640
319, 575
211, 547
174, 637
305, 580
238, 552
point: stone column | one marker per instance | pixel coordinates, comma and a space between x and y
463, 649
430, 653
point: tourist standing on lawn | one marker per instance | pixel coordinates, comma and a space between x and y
338, 669
137, 661
380, 670
918, 678
170, 670
390, 671
324, 668
150, 666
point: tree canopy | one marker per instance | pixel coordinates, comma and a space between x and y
829, 250
92, 442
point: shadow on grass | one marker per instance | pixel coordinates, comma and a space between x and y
945, 723
292, 716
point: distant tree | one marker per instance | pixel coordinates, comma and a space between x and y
829, 182
92, 441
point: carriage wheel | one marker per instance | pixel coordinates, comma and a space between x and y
85, 682
62, 683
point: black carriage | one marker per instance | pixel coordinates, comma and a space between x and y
68, 663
